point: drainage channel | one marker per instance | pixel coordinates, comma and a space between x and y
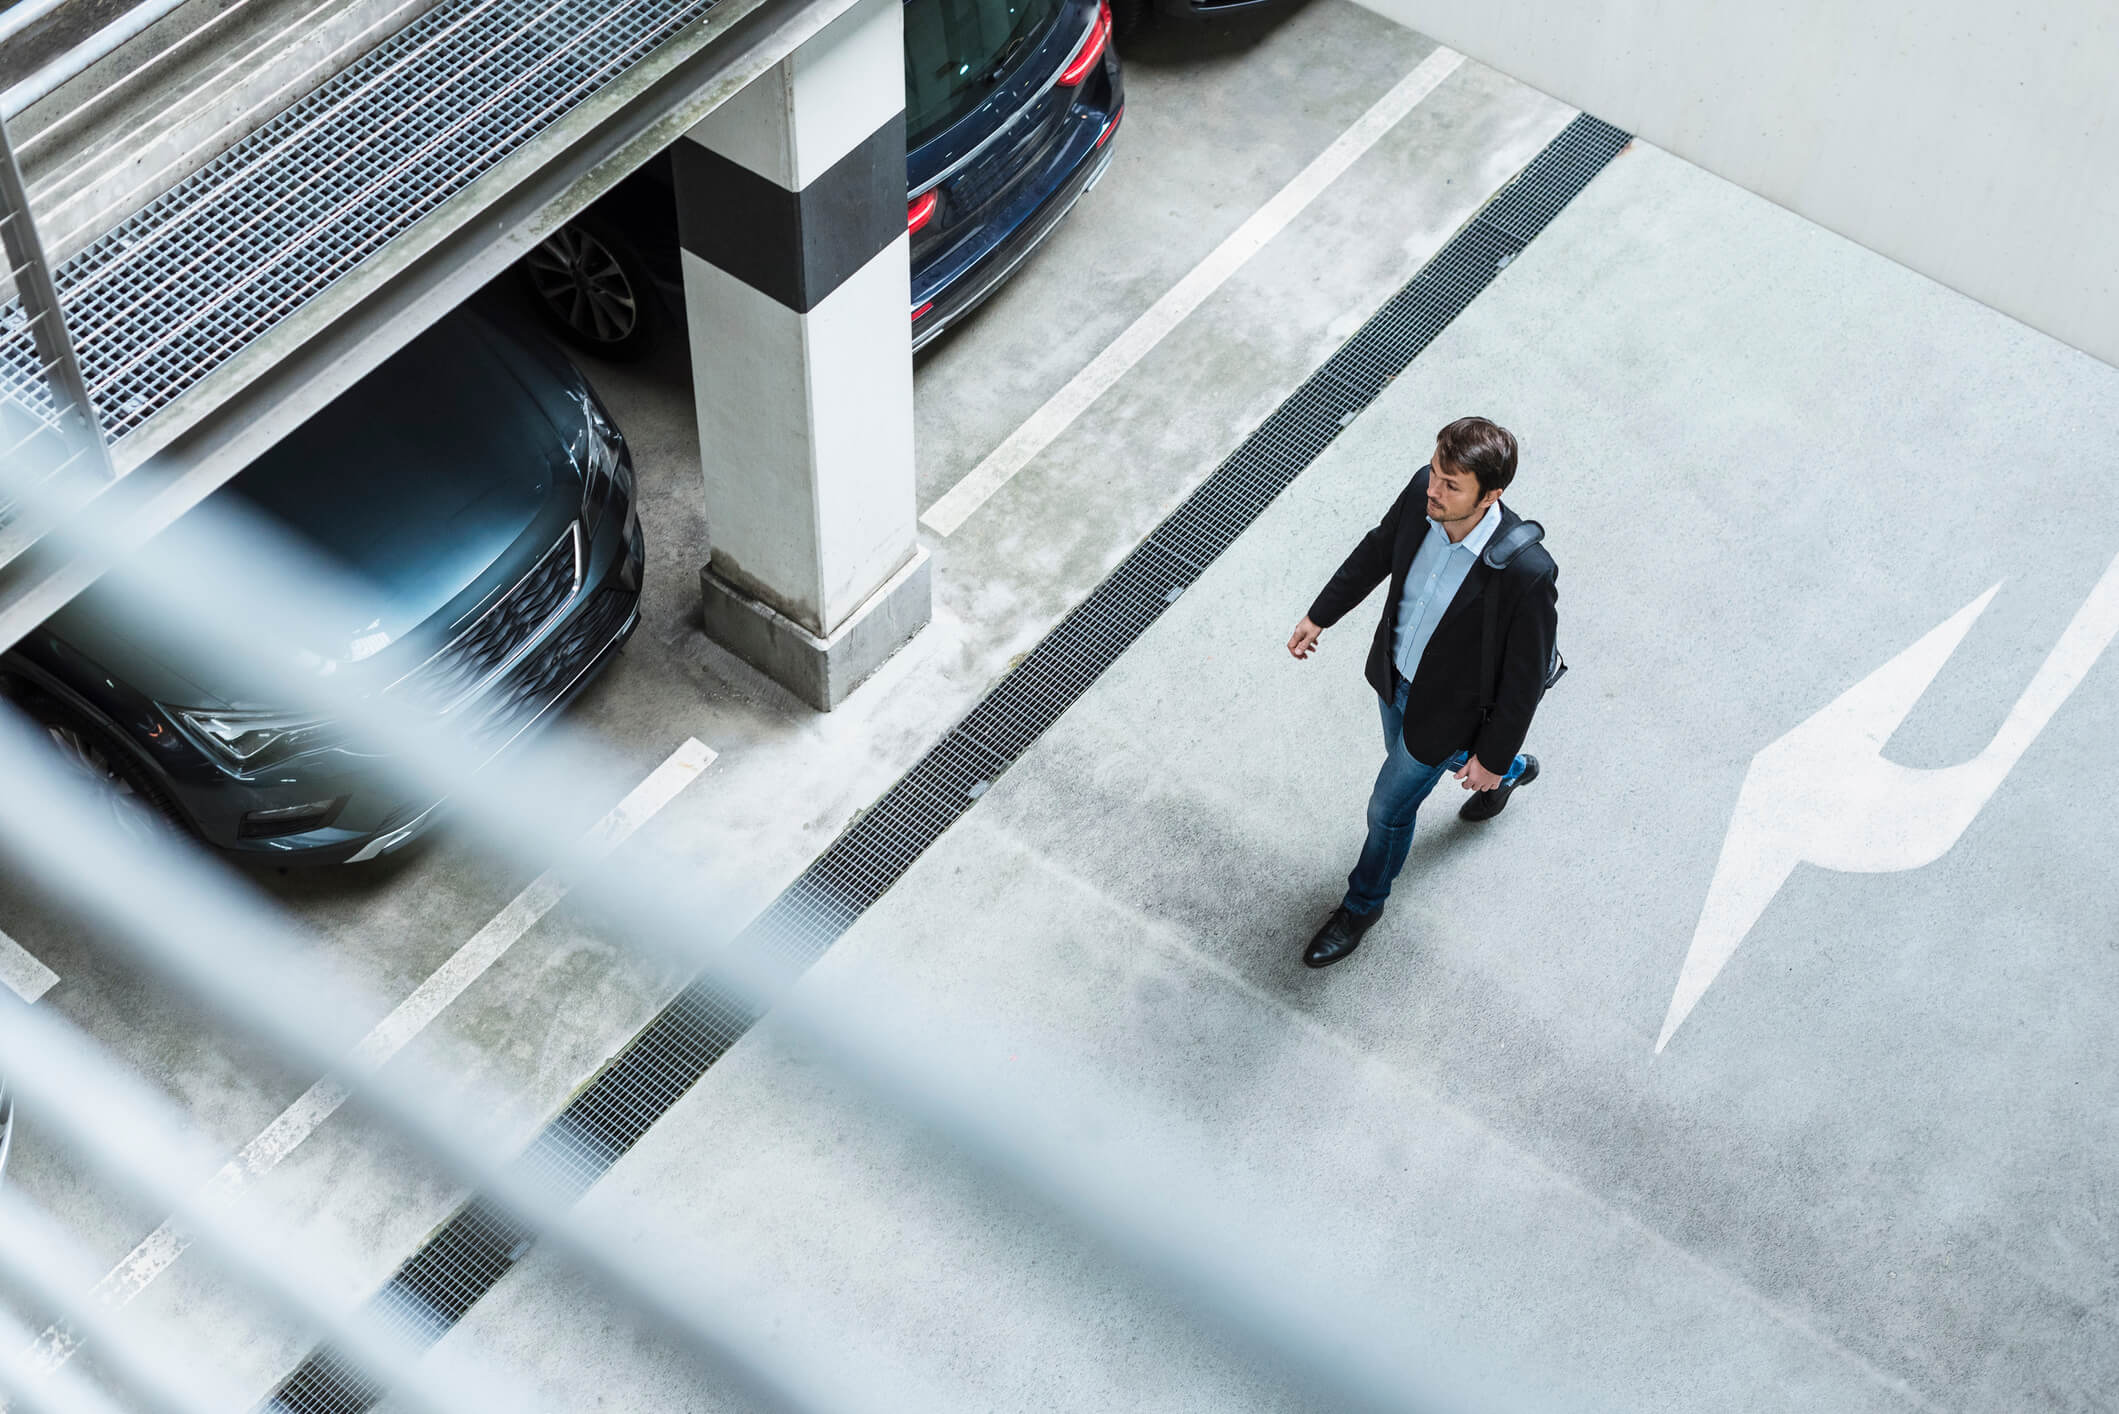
476, 1247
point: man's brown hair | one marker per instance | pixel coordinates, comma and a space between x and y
1483, 448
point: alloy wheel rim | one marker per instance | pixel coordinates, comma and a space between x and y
581, 282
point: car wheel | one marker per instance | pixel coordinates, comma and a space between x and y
1127, 16
592, 286
135, 804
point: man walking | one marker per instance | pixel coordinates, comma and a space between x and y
1452, 701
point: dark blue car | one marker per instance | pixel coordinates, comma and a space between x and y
477, 503
1009, 110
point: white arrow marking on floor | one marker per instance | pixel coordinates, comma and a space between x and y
26, 977
1143, 334
301, 1119
1823, 794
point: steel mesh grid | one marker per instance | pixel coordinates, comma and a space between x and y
684, 1041
325, 1384
188, 282
1341, 389
447, 1277
1165, 573
1208, 522
802, 916
1525, 206
1027, 702
22, 379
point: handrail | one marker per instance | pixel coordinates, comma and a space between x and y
76, 60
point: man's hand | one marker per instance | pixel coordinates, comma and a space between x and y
1304, 639
1472, 776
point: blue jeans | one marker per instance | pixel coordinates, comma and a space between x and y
1400, 787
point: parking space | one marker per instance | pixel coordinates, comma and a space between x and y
1869, 1172
549, 1006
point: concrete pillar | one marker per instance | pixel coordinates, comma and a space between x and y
797, 283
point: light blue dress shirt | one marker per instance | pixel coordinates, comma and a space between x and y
1432, 581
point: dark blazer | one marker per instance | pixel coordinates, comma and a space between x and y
1442, 715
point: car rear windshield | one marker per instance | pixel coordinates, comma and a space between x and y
957, 50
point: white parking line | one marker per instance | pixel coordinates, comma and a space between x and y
301, 1119
959, 501
26, 977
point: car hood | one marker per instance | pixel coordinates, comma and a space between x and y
431, 474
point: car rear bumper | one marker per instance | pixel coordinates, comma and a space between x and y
1209, 9
943, 294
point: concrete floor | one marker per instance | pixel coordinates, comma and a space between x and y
1195, 158
1872, 1172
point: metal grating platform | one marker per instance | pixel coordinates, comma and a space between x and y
477, 1246
176, 291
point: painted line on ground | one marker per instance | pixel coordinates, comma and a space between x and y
960, 501
161, 1248
26, 977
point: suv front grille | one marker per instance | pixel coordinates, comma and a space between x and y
471, 659
548, 671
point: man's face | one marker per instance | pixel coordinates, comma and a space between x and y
1454, 495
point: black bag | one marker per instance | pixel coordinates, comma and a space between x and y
1502, 549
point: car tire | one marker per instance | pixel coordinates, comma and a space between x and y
137, 803
1127, 17
591, 286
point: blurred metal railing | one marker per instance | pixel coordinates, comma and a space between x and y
1143, 1202
50, 438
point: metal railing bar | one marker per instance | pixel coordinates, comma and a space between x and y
42, 1264
47, 128
507, 820
19, 17
88, 1102
1156, 1217
44, 429
24, 1389
39, 298
76, 60
201, 929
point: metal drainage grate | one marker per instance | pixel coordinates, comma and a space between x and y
160, 302
477, 1246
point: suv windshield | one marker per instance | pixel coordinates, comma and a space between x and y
957, 50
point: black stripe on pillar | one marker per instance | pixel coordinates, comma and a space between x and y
795, 246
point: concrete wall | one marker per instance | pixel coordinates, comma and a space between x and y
1976, 143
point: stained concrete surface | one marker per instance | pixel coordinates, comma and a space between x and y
1872, 1172
568, 994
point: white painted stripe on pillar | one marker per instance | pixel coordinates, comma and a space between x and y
1003, 462
161, 1248
790, 124
26, 977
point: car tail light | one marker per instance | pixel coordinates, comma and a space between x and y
1092, 48
921, 211
923, 309
1111, 127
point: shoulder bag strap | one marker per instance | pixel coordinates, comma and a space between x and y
1503, 548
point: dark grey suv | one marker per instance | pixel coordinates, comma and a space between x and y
477, 492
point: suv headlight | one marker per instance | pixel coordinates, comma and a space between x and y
247, 738
599, 453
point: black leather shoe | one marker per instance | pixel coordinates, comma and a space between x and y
1486, 804
1339, 936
